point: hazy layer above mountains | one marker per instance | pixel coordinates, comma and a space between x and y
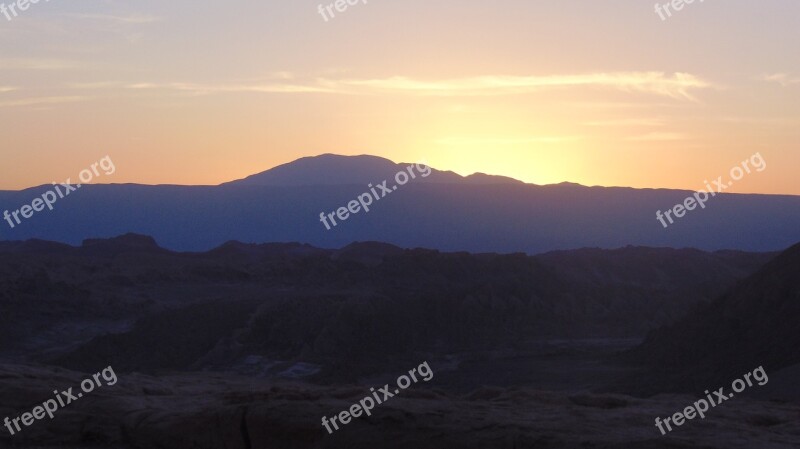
443, 211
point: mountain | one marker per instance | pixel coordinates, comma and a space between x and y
753, 324
443, 211
332, 169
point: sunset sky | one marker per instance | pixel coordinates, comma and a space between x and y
598, 93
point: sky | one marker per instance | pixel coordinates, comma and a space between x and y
597, 93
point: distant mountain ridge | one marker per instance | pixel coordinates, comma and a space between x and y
444, 211
302, 295
333, 169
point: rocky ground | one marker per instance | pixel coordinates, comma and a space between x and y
211, 410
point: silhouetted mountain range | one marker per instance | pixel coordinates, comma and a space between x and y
292, 301
445, 211
248, 345
332, 169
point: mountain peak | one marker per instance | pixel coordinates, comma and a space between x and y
325, 169
334, 169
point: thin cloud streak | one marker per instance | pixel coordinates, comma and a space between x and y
790, 120
784, 79
504, 140
39, 64
201, 89
676, 86
658, 137
628, 122
36, 101
130, 19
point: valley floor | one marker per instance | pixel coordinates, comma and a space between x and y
225, 410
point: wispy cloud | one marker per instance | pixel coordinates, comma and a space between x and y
205, 89
658, 136
677, 86
96, 85
38, 101
490, 140
784, 79
788, 120
38, 64
628, 122
7, 89
622, 105
129, 19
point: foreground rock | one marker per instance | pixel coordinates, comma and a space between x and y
206, 410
